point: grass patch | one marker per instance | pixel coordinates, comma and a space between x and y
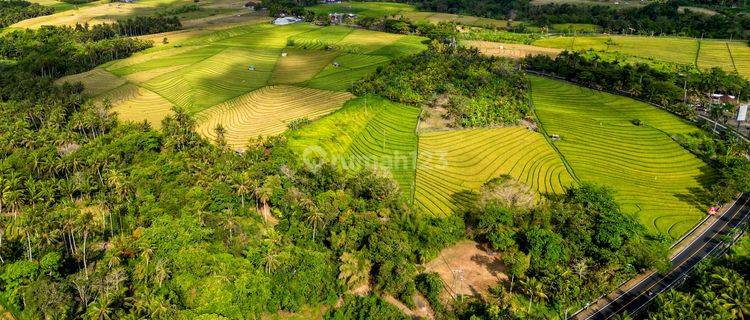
655, 178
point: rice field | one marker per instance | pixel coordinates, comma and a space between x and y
453, 165
689, 51
95, 82
136, 104
367, 132
510, 50
106, 11
301, 65
267, 111
255, 79
654, 177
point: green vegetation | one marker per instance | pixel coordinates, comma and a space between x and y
368, 132
367, 9
470, 81
560, 253
453, 165
653, 176
12, 11
703, 54
665, 88
717, 290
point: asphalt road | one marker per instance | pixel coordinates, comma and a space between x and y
638, 296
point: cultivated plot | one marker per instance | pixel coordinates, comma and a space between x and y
367, 132
136, 104
95, 82
654, 177
453, 165
267, 111
671, 49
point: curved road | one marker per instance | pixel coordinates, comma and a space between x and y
639, 295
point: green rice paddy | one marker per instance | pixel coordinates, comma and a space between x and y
367, 132
730, 56
453, 165
654, 177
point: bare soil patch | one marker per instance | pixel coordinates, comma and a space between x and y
467, 268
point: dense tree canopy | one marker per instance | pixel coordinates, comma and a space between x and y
12, 11
481, 90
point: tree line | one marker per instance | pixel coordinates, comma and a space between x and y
55, 51
663, 18
12, 11
480, 90
129, 27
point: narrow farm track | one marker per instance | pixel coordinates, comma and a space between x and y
453, 164
367, 132
654, 176
267, 112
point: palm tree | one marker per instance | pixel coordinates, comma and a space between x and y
354, 271
580, 268
270, 259
315, 217
534, 289
243, 185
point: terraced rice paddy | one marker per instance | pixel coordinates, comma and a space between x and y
107, 11
654, 177
453, 165
232, 76
95, 82
679, 50
367, 132
136, 104
710, 53
267, 112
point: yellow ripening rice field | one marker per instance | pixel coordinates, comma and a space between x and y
95, 82
136, 104
267, 111
671, 49
453, 165
510, 50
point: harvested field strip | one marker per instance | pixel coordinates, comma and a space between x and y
136, 104
654, 177
367, 132
96, 81
452, 165
267, 112
508, 50
301, 65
